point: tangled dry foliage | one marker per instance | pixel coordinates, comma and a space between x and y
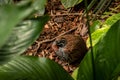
63, 21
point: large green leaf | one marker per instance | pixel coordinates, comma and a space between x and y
106, 57
96, 25
39, 6
11, 15
33, 68
74, 74
23, 35
113, 19
96, 35
2, 2
70, 3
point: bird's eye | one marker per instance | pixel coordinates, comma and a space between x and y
61, 43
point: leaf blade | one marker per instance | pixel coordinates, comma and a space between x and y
70, 3
106, 56
33, 68
22, 37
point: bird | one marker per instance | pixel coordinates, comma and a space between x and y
70, 48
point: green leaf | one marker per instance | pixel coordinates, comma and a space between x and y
107, 14
33, 68
85, 71
118, 78
113, 19
9, 21
23, 35
16, 14
100, 32
2, 2
74, 74
70, 3
39, 6
97, 35
116, 72
96, 25
106, 57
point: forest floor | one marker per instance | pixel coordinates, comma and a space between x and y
63, 21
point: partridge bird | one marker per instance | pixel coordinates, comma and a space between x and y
70, 48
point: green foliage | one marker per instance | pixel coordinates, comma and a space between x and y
97, 32
6, 24
17, 13
17, 34
2, 2
70, 3
74, 74
39, 6
19, 29
96, 25
106, 57
97, 35
22, 36
33, 68
113, 19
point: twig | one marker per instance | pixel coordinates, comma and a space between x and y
50, 40
67, 14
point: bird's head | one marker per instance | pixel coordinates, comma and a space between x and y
61, 42
58, 46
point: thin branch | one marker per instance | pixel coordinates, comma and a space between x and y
67, 14
50, 40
